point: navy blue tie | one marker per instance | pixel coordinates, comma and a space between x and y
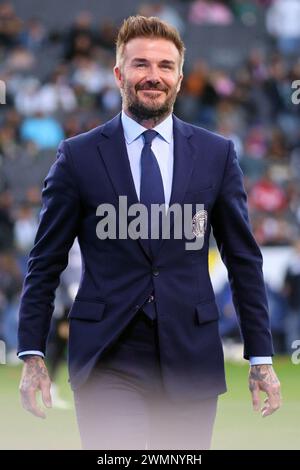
152, 189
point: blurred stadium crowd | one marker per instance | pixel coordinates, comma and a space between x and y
242, 57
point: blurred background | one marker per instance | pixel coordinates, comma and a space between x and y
56, 60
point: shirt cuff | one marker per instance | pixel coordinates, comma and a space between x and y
259, 360
35, 353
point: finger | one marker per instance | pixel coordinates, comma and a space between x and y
29, 403
46, 395
255, 399
274, 399
267, 411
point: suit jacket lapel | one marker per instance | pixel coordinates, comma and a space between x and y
113, 151
184, 160
112, 148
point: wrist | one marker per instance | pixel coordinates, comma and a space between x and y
260, 365
28, 357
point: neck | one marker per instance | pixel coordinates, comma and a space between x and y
147, 123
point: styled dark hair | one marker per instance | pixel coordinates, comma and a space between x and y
147, 27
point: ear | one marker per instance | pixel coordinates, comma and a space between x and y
118, 76
179, 82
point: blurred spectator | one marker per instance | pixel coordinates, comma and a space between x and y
256, 143
91, 76
59, 331
10, 288
228, 324
228, 131
283, 23
210, 12
277, 157
53, 96
25, 228
107, 33
25, 169
257, 66
295, 162
245, 11
56, 95
10, 25
45, 132
20, 60
6, 222
8, 141
27, 97
33, 35
79, 40
277, 309
165, 12
267, 196
272, 230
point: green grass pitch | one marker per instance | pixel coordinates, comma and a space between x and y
236, 427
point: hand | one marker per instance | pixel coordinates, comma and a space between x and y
263, 378
35, 377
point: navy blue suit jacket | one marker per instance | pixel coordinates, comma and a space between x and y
118, 275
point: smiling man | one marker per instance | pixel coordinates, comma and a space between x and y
149, 74
145, 356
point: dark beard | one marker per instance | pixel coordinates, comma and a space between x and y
143, 113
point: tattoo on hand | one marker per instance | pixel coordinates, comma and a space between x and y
35, 371
263, 378
264, 374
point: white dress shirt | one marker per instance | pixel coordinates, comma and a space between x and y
162, 146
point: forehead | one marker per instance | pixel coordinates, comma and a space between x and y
151, 49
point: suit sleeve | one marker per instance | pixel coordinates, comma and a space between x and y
243, 259
58, 227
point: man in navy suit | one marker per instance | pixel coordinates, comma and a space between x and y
145, 356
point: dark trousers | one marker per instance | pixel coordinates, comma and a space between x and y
124, 406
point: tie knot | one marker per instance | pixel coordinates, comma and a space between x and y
149, 136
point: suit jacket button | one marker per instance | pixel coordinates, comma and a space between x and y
136, 308
155, 272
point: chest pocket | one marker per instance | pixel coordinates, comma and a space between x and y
200, 196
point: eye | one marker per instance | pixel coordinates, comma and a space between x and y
167, 68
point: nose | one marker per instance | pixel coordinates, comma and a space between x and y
153, 74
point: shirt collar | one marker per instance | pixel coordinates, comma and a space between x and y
133, 130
